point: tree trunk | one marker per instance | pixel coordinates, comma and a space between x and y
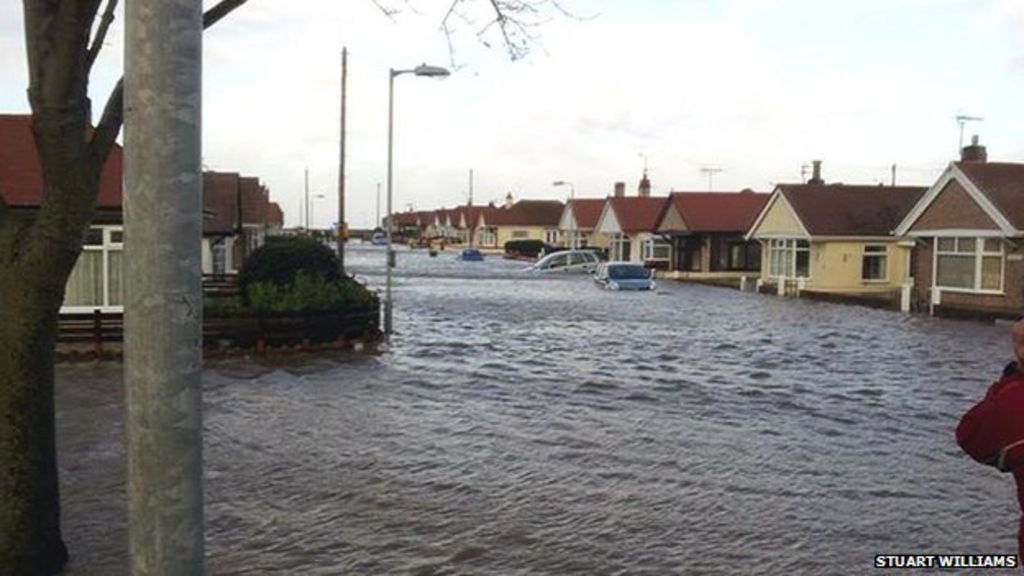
30, 539
37, 255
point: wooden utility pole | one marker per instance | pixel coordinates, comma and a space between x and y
163, 287
342, 231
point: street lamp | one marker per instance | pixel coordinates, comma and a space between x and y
572, 223
421, 70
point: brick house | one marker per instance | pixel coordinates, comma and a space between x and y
969, 232
96, 282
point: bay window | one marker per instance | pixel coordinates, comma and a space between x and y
656, 249
789, 258
969, 264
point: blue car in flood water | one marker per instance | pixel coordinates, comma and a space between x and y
624, 276
471, 255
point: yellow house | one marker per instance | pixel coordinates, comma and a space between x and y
523, 220
836, 240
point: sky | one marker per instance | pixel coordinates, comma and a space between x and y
752, 89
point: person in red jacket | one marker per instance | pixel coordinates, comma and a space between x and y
992, 431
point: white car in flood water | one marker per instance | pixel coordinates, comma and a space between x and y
582, 261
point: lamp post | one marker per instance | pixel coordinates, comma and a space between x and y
421, 70
310, 220
572, 223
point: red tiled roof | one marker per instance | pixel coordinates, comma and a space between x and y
426, 218
220, 202
275, 216
21, 180
637, 213
716, 211
1002, 183
406, 219
586, 211
527, 213
254, 200
841, 210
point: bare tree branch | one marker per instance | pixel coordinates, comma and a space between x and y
110, 123
222, 9
101, 33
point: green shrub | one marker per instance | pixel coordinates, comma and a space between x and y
309, 293
281, 259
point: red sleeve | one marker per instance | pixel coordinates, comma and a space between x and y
979, 433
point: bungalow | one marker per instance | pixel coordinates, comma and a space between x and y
630, 223
579, 218
969, 233
96, 281
835, 240
522, 220
707, 234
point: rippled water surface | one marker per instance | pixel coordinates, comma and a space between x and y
525, 425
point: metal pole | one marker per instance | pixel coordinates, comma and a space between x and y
341, 168
378, 222
307, 200
572, 200
163, 288
391, 253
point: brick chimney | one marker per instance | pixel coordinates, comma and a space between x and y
644, 189
975, 152
816, 173
620, 189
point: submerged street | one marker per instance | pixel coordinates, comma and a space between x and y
521, 424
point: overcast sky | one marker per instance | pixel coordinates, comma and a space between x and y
755, 88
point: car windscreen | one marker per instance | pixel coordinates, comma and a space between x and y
627, 272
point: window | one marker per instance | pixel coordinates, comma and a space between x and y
874, 264
620, 247
744, 256
520, 234
96, 280
971, 264
551, 236
656, 249
789, 258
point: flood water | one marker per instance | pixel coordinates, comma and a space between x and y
525, 425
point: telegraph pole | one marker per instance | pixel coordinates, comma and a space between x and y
342, 232
163, 288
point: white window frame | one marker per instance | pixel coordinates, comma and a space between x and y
551, 236
979, 254
883, 254
788, 247
651, 246
106, 248
617, 246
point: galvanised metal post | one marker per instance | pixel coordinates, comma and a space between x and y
163, 285
391, 252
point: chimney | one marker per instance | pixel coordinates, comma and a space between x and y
975, 152
644, 189
620, 189
508, 200
816, 173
